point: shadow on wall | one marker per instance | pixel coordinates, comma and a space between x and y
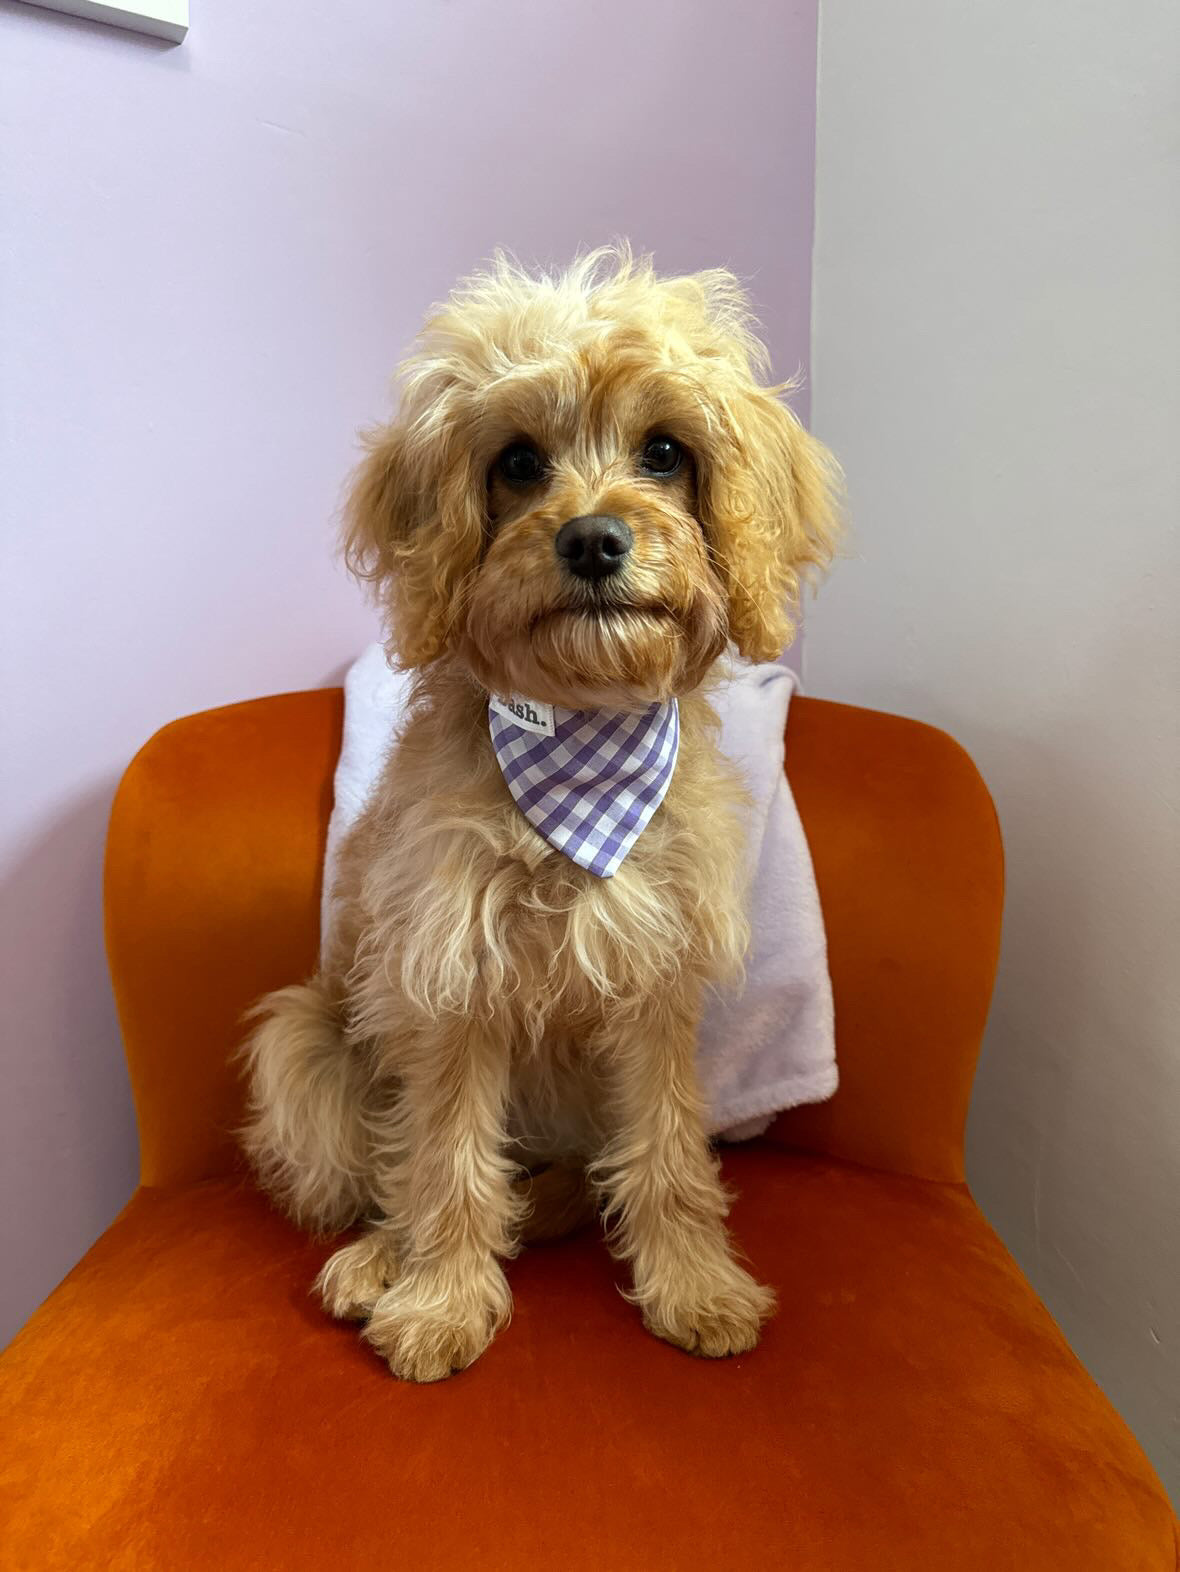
74, 1156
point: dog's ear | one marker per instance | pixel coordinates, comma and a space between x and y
414, 527
769, 504
382, 506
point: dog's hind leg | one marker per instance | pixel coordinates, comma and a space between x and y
554, 1201
352, 1280
306, 1133
362, 1271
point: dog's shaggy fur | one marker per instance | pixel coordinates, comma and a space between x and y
489, 1011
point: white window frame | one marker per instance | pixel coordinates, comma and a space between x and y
158, 18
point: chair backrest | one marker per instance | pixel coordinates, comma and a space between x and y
213, 872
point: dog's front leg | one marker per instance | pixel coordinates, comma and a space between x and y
663, 1187
456, 1203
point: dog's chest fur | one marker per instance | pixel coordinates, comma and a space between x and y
447, 891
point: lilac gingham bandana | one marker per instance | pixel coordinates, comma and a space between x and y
588, 781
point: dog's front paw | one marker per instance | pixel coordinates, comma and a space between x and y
711, 1316
427, 1335
354, 1279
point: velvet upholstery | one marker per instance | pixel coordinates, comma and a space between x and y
180, 1401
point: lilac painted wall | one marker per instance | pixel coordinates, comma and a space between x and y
211, 258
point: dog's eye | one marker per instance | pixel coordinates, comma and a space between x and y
521, 464
662, 456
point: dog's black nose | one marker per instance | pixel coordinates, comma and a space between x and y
593, 546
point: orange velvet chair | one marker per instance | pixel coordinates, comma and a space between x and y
181, 1402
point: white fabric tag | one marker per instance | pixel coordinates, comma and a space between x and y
528, 714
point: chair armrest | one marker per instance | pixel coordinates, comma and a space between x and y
212, 884
910, 869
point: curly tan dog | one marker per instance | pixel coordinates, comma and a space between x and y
587, 493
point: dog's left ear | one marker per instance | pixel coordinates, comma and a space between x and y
770, 506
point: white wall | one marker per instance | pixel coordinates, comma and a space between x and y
995, 359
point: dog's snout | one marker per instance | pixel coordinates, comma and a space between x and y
593, 546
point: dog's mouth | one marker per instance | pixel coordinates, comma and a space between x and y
594, 651
605, 614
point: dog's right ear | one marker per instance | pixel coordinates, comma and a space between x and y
380, 513
414, 528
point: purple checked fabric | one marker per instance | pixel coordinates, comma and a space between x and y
591, 786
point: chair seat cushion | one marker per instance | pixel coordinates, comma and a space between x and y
181, 1402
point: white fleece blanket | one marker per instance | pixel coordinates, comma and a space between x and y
765, 1046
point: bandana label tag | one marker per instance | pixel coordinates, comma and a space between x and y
529, 714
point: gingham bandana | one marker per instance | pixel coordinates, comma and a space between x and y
588, 781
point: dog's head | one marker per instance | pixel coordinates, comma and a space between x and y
587, 490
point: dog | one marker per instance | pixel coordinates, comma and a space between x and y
587, 494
